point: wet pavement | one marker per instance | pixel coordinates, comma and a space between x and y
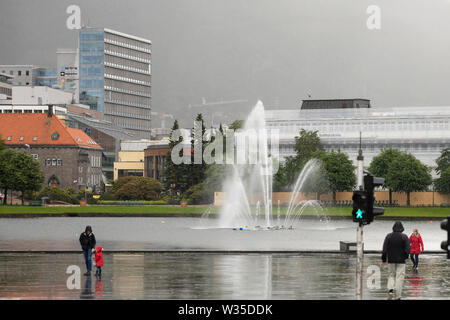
122, 234
215, 276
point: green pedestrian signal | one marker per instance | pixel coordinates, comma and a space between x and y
359, 205
359, 214
363, 201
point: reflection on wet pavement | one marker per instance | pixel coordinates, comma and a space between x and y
213, 276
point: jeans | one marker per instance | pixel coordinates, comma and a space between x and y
88, 259
396, 277
415, 259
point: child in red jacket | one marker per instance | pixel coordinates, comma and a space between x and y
99, 261
416, 247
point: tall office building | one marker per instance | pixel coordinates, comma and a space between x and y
115, 78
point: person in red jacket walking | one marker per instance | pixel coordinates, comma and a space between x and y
99, 261
416, 248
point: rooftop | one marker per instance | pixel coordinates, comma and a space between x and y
39, 129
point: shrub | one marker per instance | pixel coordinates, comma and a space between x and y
139, 188
117, 184
128, 203
58, 194
198, 194
108, 196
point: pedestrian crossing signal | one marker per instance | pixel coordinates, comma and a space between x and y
360, 202
359, 214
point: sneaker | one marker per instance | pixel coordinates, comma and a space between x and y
87, 274
390, 294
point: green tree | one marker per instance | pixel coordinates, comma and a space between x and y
407, 174
2, 144
19, 172
197, 170
176, 175
7, 172
379, 166
28, 175
442, 184
306, 144
236, 124
339, 169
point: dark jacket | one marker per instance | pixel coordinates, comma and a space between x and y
87, 241
396, 245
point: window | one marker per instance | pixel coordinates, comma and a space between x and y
59, 162
53, 162
19, 73
21, 138
35, 156
34, 138
9, 138
48, 162
27, 73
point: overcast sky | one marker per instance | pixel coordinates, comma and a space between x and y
278, 51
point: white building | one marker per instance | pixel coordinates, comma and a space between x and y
37, 95
421, 131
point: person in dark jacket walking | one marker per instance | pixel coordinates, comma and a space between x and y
396, 248
87, 241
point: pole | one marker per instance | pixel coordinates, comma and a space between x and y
359, 231
359, 261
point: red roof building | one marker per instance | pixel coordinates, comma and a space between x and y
68, 156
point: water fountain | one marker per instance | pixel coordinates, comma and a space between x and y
252, 183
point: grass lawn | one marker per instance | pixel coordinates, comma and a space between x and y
199, 210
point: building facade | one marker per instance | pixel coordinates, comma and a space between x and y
67, 67
5, 88
421, 131
115, 78
30, 75
103, 132
130, 163
67, 156
155, 161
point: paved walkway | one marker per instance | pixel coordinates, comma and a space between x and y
215, 276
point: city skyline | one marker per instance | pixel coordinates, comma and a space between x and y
250, 50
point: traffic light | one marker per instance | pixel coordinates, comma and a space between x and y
444, 244
360, 204
370, 183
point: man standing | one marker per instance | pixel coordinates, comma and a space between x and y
87, 241
396, 249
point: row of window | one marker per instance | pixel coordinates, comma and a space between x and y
96, 161
127, 91
127, 41
410, 147
126, 56
19, 72
128, 64
127, 52
131, 123
131, 80
127, 72
9, 138
418, 124
128, 111
53, 162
